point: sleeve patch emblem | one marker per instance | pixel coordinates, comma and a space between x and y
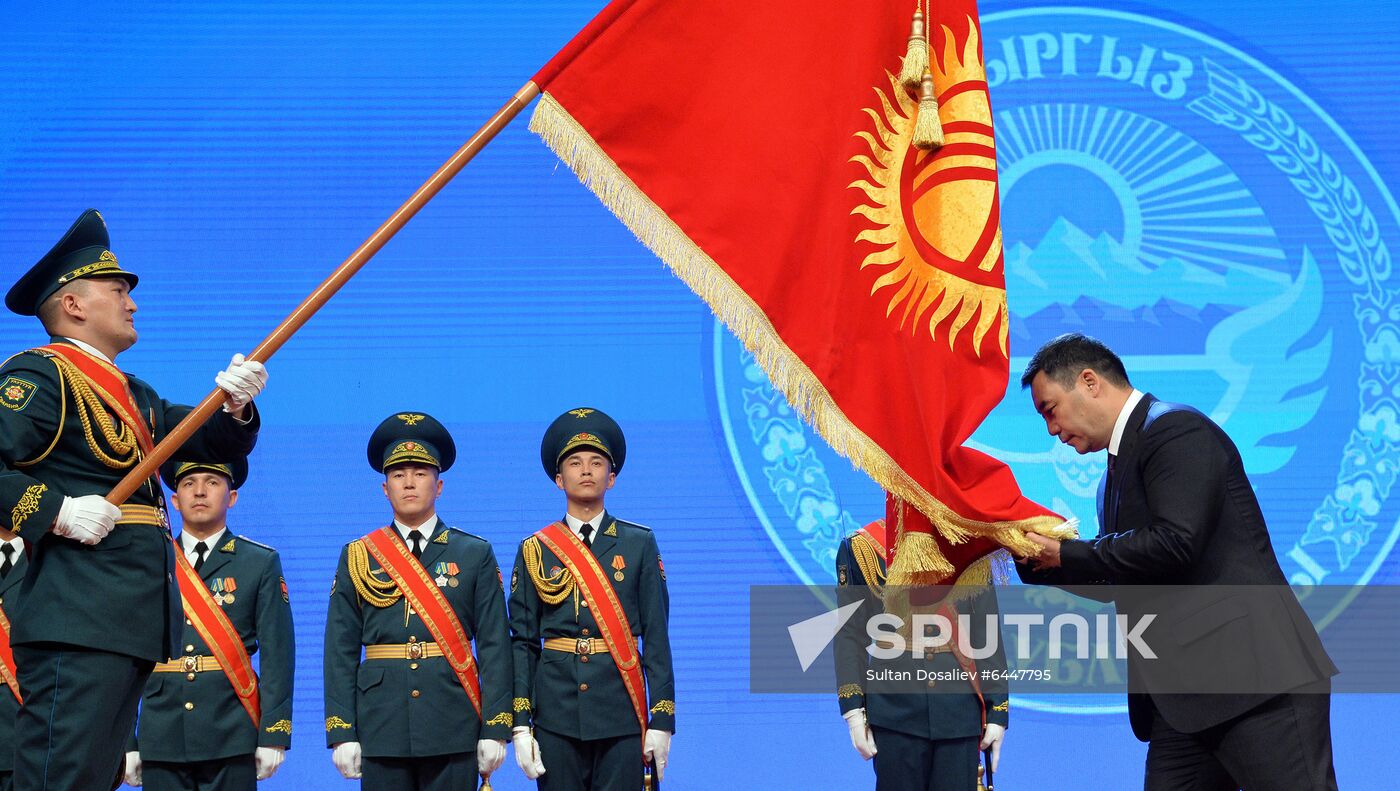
15, 393
514, 579
661, 566
286, 597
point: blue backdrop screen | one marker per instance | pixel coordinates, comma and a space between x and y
1201, 184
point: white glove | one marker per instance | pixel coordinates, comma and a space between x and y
490, 754
346, 757
861, 739
133, 768
241, 381
527, 753
658, 746
992, 738
268, 759
87, 519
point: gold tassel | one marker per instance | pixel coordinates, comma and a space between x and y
928, 129
918, 561
916, 59
485, 783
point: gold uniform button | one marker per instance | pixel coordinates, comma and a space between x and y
189, 649
930, 682
584, 602
189, 706
412, 638
413, 666
416, 693
188, 622
583, 658
189, 677
582, 687
585, 631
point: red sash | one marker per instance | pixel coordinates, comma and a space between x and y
111, 386
218, 632
7, 658
612, 620
875, 532
427, 600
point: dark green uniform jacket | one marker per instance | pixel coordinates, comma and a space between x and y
9, 707
183, 719
943, 710
119, 595
562, 692
402, 708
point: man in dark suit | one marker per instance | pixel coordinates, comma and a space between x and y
99, 610
13, 564
420, 712
581, 679
196, 731
1177, 510
923, 733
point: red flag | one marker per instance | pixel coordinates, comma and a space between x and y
764, 152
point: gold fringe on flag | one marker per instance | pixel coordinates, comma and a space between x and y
789, 375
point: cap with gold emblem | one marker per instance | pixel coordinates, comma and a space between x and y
82, 252
411, 438
235, 470
584, 428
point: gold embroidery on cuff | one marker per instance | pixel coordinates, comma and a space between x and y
522, 704
664, 707
335, 722
504, 718
27, 506
849, 691
1005, 705
285, 726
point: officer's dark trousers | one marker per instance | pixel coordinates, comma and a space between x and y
454, 772
591, 765
915, 763
78, 712
7, 781
1284, 744
239, 773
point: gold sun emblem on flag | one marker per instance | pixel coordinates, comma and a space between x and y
935, 215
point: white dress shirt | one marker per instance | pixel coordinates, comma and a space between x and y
187, 542
1122, 424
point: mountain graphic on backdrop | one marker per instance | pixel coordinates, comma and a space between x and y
1071, 281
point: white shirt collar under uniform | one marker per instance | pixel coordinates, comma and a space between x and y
187, 542
90, 349
575, 524
1122, 424
426, 529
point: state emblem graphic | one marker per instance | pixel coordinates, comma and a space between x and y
1179, 199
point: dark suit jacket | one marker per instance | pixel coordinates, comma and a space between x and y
944, 710
398, 708
219, 726
559, 691
9, 707
1180, 511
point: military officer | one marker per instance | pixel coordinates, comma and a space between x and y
415, 594
99, 610
583, 591
923, 734
13, 564
196, 730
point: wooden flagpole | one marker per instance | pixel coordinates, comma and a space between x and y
313, 302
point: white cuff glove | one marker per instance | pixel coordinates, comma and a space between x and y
527, 754
490, 754
241, 382
133, 769
87, 519
346, 757
992, 738
861, 739
268, 759
658, 747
